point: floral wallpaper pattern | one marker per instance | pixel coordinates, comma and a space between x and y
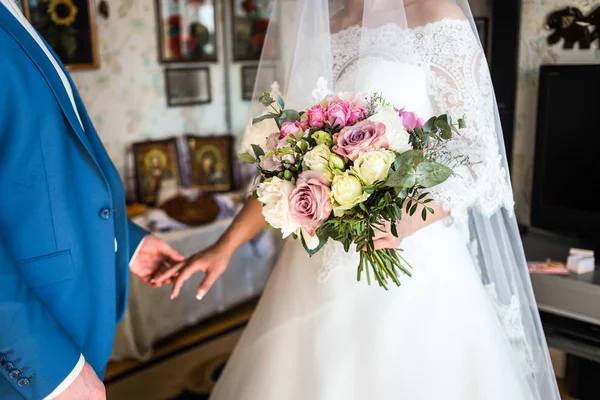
125, 97
532, 53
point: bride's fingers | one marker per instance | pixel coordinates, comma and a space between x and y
209, 280
180, 280
165, 273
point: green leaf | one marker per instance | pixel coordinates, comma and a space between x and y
410, 157
363, 207
288, 116
448, 118
430, 173
247, 158
427, 200
424, 214
258, 151
430, 210
369, 189
409, 205
422, 195
430, 124
404, 177
322, 240
265, 99
280, 102
462, 124
443, 126
394, 230
263, 117
413, 209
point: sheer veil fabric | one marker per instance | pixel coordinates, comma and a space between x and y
302, 51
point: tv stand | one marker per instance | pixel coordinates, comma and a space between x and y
570, 311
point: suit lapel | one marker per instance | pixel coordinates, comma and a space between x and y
44, 65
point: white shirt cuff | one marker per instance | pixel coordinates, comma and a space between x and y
136, 251
68, 380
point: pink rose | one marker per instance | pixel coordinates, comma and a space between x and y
289, 128
356, 114
338, 113
410, 120
316, 116
310, 203
364, 136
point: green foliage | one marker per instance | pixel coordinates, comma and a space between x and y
247, 158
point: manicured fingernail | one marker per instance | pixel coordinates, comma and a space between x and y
172, 297
200, 295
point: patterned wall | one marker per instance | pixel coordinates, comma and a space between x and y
533, 52
125, 97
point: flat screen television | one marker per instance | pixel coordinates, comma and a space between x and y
567, 153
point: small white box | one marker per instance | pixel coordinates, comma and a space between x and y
580, 263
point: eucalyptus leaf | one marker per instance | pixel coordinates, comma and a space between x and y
410, 157
265, 99
443, 126
247, 158
288, 116
430, 124
280, 102
431, 173
263, 117
462, 124
404, 177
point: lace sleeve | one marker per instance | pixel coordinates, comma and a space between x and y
460, 84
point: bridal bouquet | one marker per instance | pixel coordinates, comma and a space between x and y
347, 167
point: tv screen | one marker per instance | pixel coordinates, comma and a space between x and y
567, 151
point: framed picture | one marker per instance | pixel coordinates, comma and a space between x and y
250, 22
482, 24
69, 27
188, 86
210, 162
248, 79
156, 165
186, 30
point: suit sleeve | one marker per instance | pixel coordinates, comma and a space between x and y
36, 353
136, 235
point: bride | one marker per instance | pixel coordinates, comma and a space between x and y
465, 326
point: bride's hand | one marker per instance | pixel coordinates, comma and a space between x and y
385, 239
212, 261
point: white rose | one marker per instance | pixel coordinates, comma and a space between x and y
374, 166
347, 192
397, 136
318, 160
274, 195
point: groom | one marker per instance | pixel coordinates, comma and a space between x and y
65, 241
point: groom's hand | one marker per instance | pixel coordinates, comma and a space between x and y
153, 256
85, 386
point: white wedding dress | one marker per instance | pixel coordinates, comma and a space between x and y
318, 334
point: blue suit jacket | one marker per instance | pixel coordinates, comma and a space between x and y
62, 286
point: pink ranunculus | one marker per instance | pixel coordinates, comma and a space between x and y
410, 120
316, 116
289, 128
310, 201
338, 113
365, 136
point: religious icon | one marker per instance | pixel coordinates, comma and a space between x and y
210, 162
157, 164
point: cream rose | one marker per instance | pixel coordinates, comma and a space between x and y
274, 195
373, 166
318, 160
397, 135
347, 192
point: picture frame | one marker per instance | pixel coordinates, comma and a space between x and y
249, 73
195, 42
483, 29
69, 27
250, 20
156, 165
188, 86
210, 162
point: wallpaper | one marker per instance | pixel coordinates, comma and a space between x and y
125, 97
533, 52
